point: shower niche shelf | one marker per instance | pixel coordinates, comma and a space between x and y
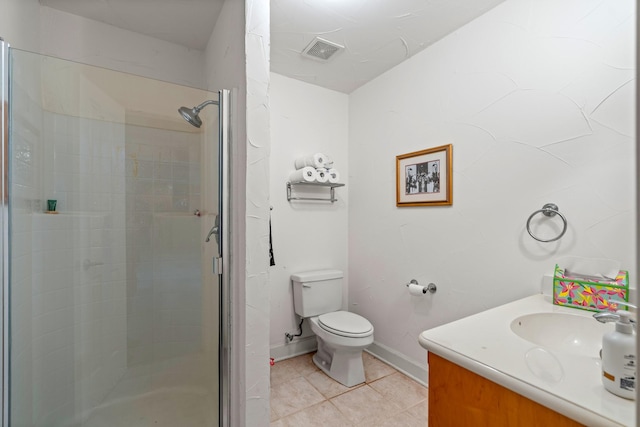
331, 186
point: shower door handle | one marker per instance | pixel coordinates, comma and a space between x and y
215, 230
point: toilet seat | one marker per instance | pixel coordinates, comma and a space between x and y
345, 324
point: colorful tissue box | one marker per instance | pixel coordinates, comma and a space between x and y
592, 295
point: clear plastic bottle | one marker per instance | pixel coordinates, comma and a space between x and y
619, 358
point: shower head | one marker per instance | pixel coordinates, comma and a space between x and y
192, 114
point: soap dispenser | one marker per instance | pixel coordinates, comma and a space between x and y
619, 358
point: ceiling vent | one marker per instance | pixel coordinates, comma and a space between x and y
321, 49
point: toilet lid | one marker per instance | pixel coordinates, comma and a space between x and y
345, 324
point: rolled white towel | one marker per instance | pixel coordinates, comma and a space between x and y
316, 160
306, 174
322, 175
334, 176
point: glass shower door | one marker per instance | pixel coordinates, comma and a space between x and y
114, 309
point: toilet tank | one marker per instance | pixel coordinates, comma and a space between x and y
317, 292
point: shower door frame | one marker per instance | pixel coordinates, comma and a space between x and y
224, 282
4, 221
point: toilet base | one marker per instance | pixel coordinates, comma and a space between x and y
343, 365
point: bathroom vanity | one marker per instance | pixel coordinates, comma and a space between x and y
458, 396
524, 363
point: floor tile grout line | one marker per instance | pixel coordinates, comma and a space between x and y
344, 416
304, 372
309, 407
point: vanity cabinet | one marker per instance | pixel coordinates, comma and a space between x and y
459, 397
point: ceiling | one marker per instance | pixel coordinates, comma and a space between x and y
377, 34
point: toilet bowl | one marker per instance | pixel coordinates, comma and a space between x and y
341, 337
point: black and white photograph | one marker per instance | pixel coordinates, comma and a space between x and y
424, 177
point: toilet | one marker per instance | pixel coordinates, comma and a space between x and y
341, 335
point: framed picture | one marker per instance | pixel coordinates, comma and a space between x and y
423, 178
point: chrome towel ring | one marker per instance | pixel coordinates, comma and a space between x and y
550, 210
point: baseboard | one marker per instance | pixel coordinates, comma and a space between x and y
294, 348
399, 361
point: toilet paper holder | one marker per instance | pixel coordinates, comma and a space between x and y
431, 287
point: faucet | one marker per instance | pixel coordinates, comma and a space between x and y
607, 316
626, 304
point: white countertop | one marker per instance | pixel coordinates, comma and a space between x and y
485, 344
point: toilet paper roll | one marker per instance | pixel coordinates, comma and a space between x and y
306, 174
316, 160
334, 176
322, 175
416, 290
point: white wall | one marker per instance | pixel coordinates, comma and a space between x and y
20, 23
305, 119
224, 56
256, 211
537, 99
91, 42
28, 26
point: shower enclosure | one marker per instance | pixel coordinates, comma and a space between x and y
113, 300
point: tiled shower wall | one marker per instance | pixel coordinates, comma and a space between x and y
164, 281
38, 254
79, 265
78, 320
67, 269
26, 135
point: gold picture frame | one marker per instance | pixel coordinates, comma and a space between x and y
424, 178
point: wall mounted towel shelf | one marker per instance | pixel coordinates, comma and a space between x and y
329, 185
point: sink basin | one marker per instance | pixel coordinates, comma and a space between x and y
568, 333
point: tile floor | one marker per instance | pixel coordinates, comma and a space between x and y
302, 395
